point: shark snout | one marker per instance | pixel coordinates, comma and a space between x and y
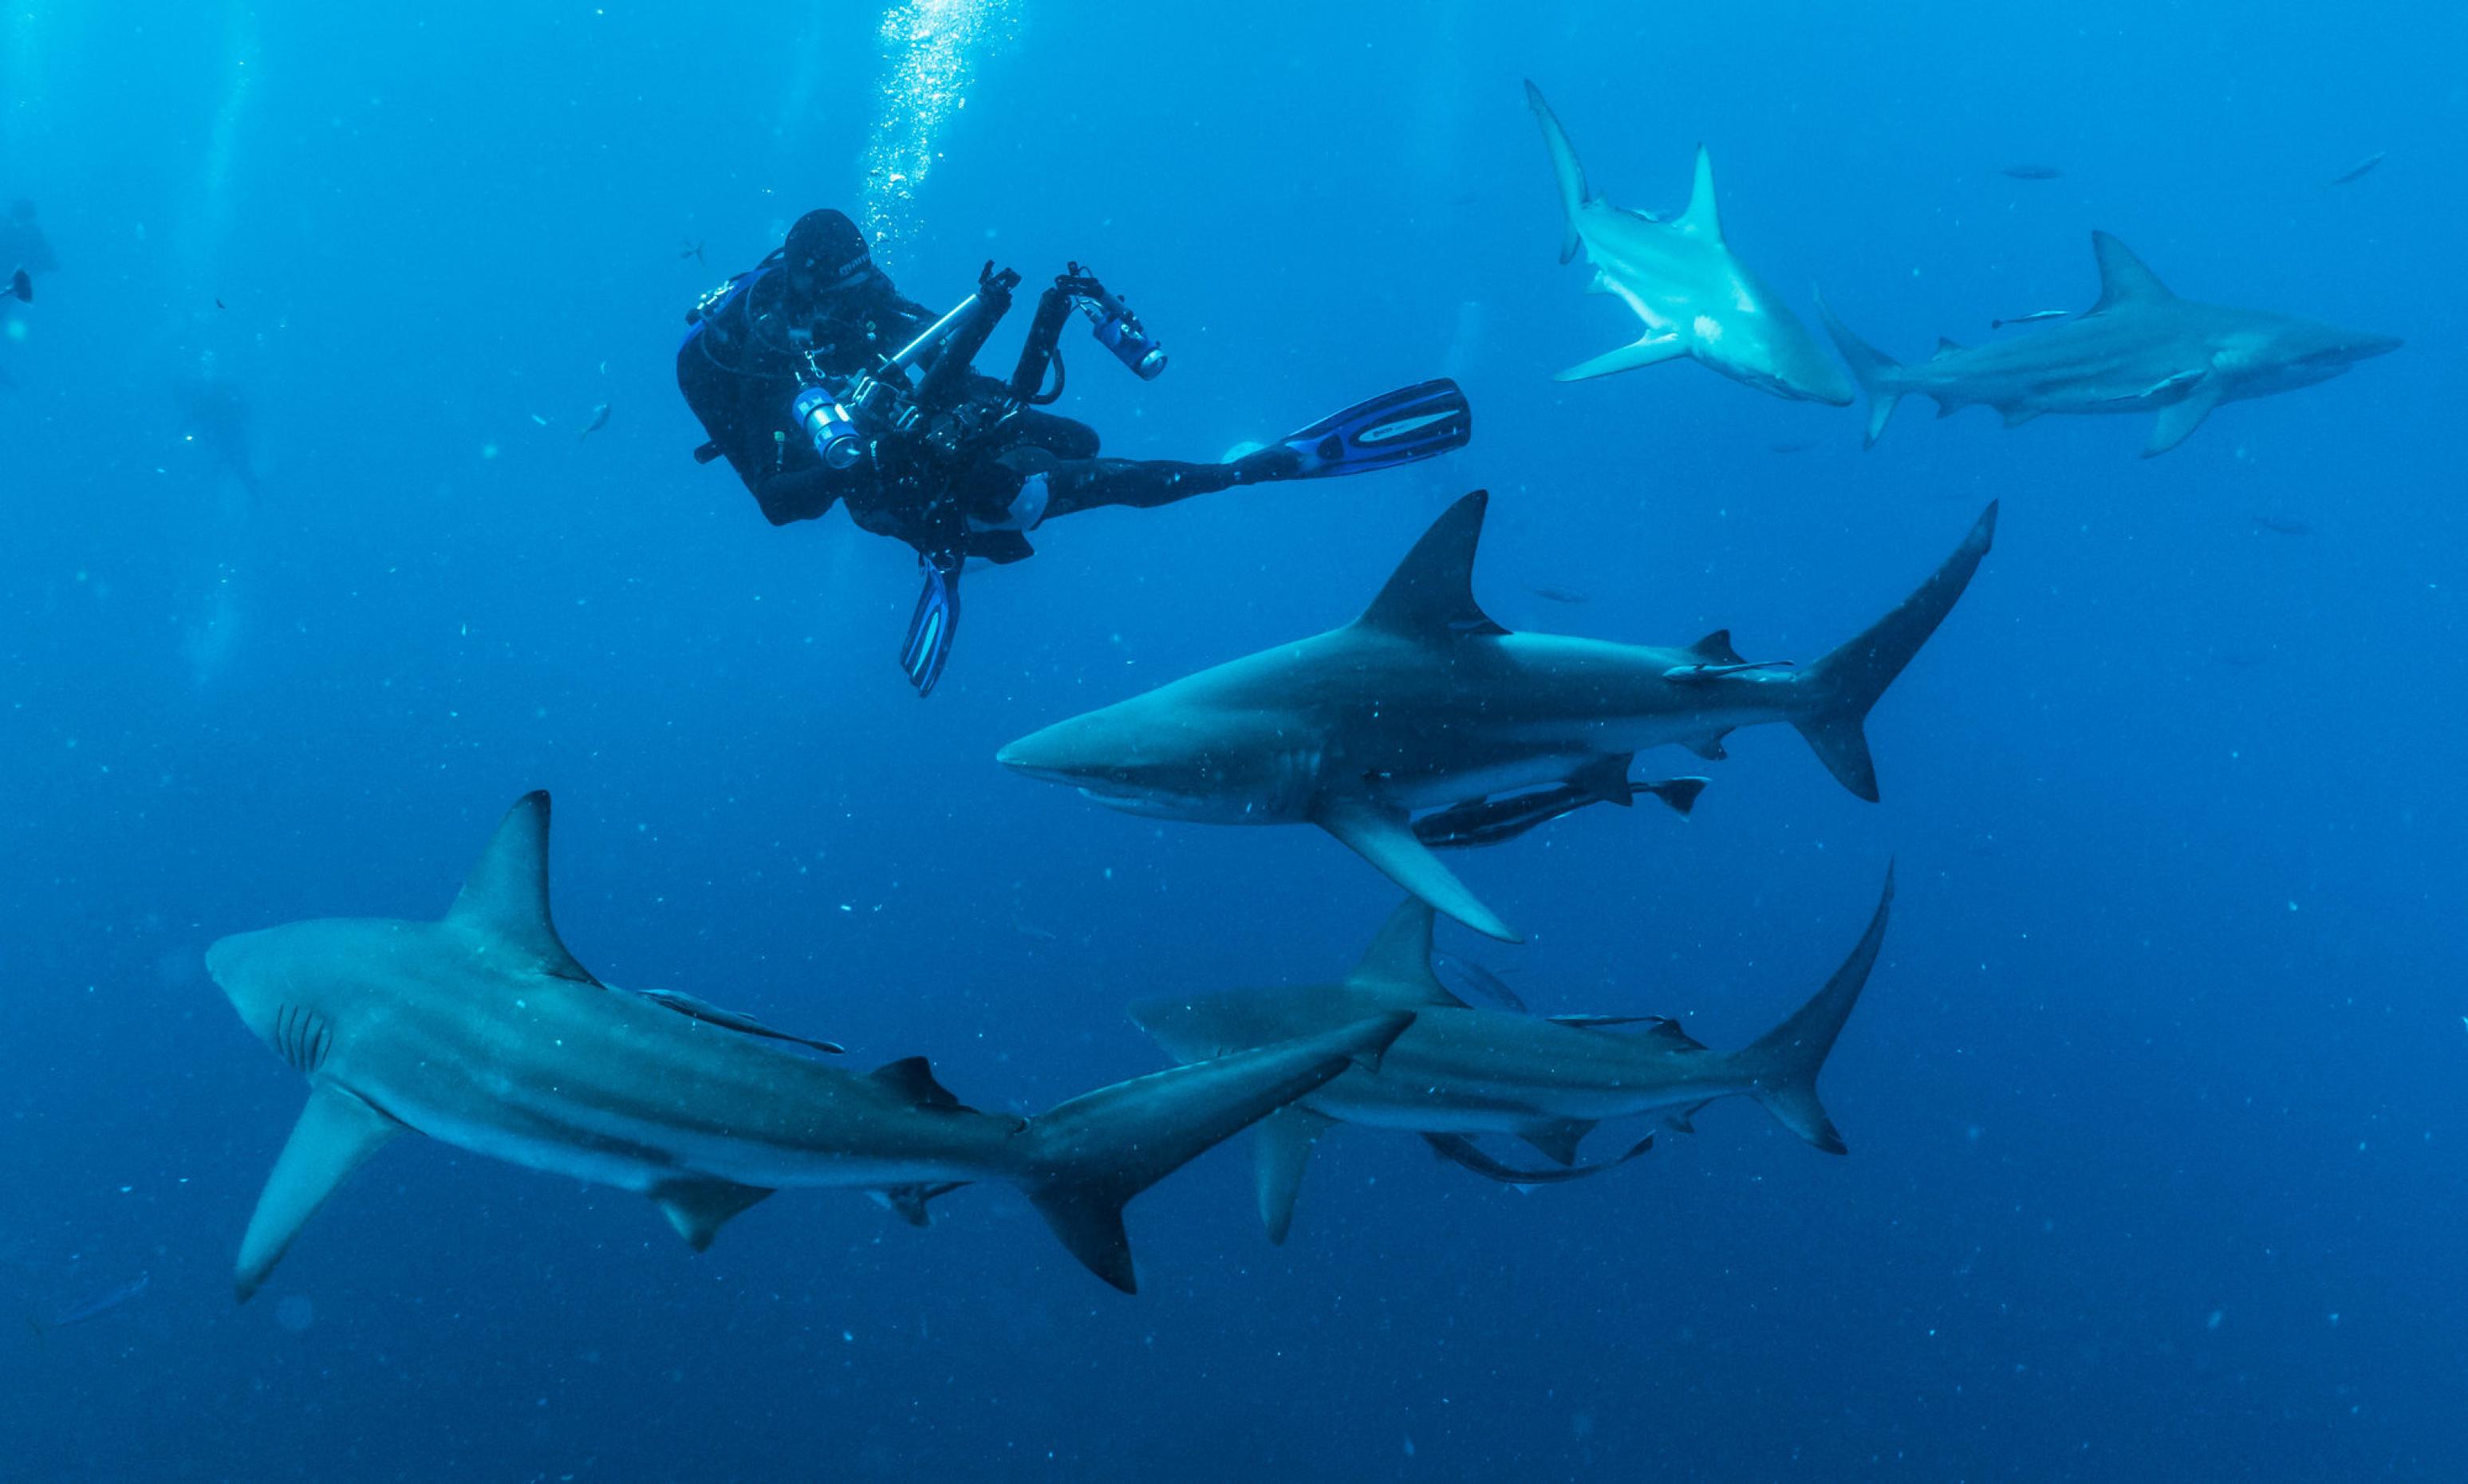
2365, 346
1047, 755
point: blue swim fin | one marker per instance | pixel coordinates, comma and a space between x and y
1402, 427
928, 645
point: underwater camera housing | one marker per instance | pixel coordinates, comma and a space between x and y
846, 417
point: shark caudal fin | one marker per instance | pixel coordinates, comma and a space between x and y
1088, 1157
1782, 1064
1843, 685
1872, 368
1570, 174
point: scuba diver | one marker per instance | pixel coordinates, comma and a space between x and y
821, 384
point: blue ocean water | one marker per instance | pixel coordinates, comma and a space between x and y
2154, 1099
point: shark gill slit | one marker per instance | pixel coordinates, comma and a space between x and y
301, 1038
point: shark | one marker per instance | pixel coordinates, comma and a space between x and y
482, 1031
1424, 703
1694, 296
2140, 349
1460, 1070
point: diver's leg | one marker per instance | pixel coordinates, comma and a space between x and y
1143, 484
1021, 487
1064, 438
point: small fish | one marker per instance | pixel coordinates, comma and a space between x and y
1031, 931
218, 304
2281, 526
537, 417
693, 249
2031, 172
21, 287
1559, 594
2032, 318
599, 421
2358, 170
1801, 447
92, 1305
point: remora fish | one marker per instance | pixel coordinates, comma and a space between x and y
2031, 172
599, 421
1459, 1070
1424, 702
2036, 316
2140, 349
92, 1306
1680, 278
482, 1031
2357, 169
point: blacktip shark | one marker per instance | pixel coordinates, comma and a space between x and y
1460, 1070
1696, 298
482, 1031
2140, 349
1424, 703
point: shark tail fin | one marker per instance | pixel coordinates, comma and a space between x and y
1782, 1064
1086, 1158
1846, 683
1872, 368
1572, 175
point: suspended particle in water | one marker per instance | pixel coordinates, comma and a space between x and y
296, 1312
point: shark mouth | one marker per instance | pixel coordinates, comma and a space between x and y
301, 1038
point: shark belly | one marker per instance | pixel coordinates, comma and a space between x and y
1479, 1090
640, 1105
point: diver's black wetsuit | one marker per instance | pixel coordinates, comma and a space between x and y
739, 369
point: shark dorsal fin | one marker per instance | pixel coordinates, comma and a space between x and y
913, 1079
505, 899
1702, 218
1946, 345
1430, 595
1398, 960
1715, 648
2122, 277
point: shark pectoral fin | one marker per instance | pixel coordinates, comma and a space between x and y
505, 899
697, 1208
1383, 838
2177, 419
1398, 959
335, 1134
1281, 1146
1558, 1138
1652, 350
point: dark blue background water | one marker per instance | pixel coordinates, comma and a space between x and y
2155, 1103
